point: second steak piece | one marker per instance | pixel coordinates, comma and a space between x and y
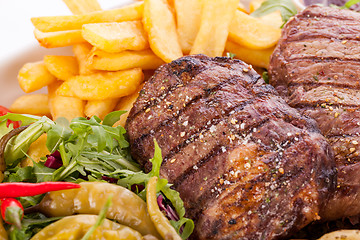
316, 68
246, 164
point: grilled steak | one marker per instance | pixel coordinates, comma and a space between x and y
246, 164
316, 68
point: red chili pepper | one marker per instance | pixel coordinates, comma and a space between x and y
3, 111
21, 189
12, 211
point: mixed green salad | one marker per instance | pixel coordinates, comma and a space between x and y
83, 150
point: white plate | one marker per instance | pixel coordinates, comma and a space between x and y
18, 44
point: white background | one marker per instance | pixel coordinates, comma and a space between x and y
18, 44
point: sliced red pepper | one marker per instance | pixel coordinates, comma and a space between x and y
4, 111
12, 211
22, 189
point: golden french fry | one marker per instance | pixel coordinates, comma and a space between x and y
62, 67
101, 86
125, 104
100, 108
82, 6
73, 22
159, 23
259, 58
81, 52
58, 39
273, 19
36, 104
144, 59
188, 15
250, 32
60, 106
36, 151
33, 76
116, 37
214, 27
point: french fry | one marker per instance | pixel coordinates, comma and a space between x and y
101, 86
100, 108
159, 23
259, 58
34, 76
58, 39
62, 67
188, 15
36, 151
60, 106
36, 104
144, 59
82, 6
214, 27
81, 52
125, 104
250, 32
273, 19
116, 37
73, 22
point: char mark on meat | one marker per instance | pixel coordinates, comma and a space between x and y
246, 164
316, 67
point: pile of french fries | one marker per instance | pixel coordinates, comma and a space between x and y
112, 49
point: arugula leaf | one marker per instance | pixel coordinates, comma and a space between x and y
42, 173
31, 224
350, 3
58, 134
286, 7
17, 147
230, 55
156, 160
19, 174
265, 76
112, 118
25, 119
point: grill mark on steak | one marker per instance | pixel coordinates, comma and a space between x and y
323, 28
205, 93
321, 49
325, 40
151, 98
236, 162
250, 115
272, 165
216, 105
310, 85
266, 198
303, 71
191, 93
314, 13
151, 94
300, 95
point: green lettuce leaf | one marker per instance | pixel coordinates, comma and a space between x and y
287, 9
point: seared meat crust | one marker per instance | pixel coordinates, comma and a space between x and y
246, 164
316, 67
